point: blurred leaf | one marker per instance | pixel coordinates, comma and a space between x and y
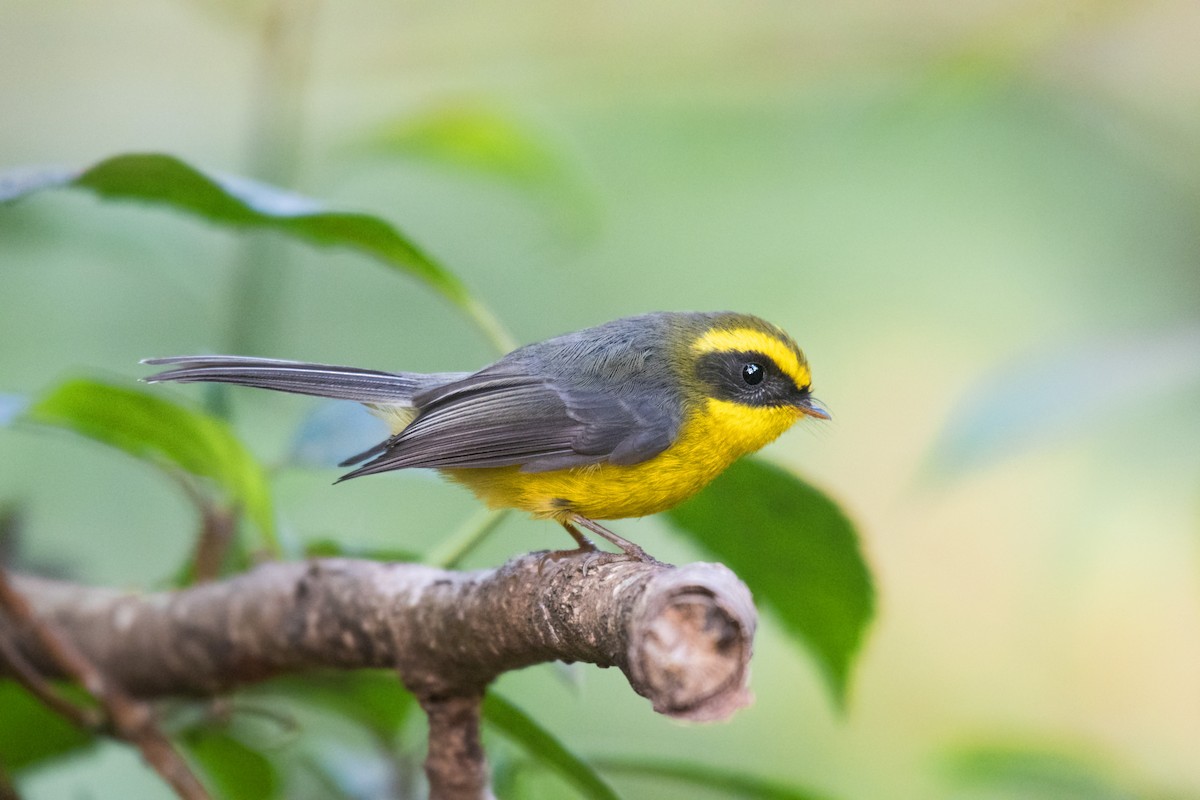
326, 776
235, 770
542, 748
1030, 772
162, 432
1048, 396
332, 432
480, 139
355, 773
506, 775
796, 551
11, 406
16, 182
373, 698
475, 138
242, 203
325, 548
13, 546
21, 715
733, 784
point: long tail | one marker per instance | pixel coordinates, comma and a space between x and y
297, 377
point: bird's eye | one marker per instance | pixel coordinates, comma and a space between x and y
753, 374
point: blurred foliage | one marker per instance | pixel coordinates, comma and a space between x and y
324, 548
1027, 771
234, 770
33, 734
1046, 397
480, 139
10, 533
727, 782
331, 433
545, 750
191, 446
240, 202
477, 138
373, 699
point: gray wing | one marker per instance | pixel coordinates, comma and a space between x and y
297, 377
498, 418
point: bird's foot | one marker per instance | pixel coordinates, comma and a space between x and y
627, 547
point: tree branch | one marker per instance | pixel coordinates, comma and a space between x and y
682, 636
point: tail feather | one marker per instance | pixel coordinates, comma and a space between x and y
296, 377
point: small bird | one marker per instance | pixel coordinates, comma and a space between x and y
624, 419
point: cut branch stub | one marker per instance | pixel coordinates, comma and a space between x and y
691, 641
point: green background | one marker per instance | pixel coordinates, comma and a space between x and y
979, 220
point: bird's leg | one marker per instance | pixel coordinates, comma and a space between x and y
585, 544
627, 547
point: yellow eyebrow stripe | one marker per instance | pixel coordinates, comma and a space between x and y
720, 340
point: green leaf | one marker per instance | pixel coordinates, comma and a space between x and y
241, 203
23, 714
1031, 772
235, 770
716, 779
154, 429
796, 551
476, 138
541, 746
373, 698
326, 548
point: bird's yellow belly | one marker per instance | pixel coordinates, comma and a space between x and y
707, 445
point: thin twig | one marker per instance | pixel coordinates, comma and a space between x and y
18, 610
218, 526
131, 720
24, 673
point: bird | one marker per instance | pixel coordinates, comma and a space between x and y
625, 419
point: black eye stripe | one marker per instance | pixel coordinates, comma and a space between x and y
746, 377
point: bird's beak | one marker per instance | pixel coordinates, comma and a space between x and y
809, 408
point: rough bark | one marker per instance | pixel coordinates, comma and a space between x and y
682, 636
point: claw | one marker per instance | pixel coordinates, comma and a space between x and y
627, 547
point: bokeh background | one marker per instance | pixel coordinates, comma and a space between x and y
980, 220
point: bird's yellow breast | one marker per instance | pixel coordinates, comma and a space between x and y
711, 439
